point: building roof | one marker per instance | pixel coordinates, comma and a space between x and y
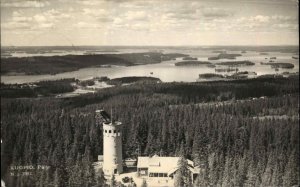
157, 164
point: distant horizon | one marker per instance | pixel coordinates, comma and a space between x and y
283, 45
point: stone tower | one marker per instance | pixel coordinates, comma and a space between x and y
112, 147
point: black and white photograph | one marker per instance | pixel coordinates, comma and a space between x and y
150, 93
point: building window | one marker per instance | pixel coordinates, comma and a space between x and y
172, 176
160, 175
114, 131
155, 174
165, 175
105, 131
151, 175
109, 131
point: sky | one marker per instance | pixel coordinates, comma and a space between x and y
149, 22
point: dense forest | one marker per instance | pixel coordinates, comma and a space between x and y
192, 63
241, 133
133, 79
42, 88
37, 65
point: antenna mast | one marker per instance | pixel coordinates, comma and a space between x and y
111, 114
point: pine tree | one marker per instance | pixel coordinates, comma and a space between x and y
241, 172
268, 173
183, 177
113, 181
227, 175
144, 184
277, 176
57, 178
251, 175
100, 180
88, 170
291, 174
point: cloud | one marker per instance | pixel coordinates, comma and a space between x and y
259, 18
219, 20
134, 4
182, 10
40, 18
18, 21
118, 21
51, 15
25, 4
45, 25
286, 26
270, 19
212, 12
151, 17
97, 15
182, 15
90, 2
105, 19
94, 12
281, 18
138, 26
253, 21
136, 15
48, 19
129, 19
15, 25
86, 25
265, 23
17, 16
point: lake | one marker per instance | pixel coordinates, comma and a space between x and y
166, 70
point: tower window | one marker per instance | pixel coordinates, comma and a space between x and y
105, 131
114, 131
109, 131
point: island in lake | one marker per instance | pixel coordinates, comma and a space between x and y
263, 53
39, 65
237, 63
133, 79
280, 65
224, 56
234, 76
213, 76
189, 58
192, 63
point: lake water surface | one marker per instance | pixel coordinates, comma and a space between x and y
167, 71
